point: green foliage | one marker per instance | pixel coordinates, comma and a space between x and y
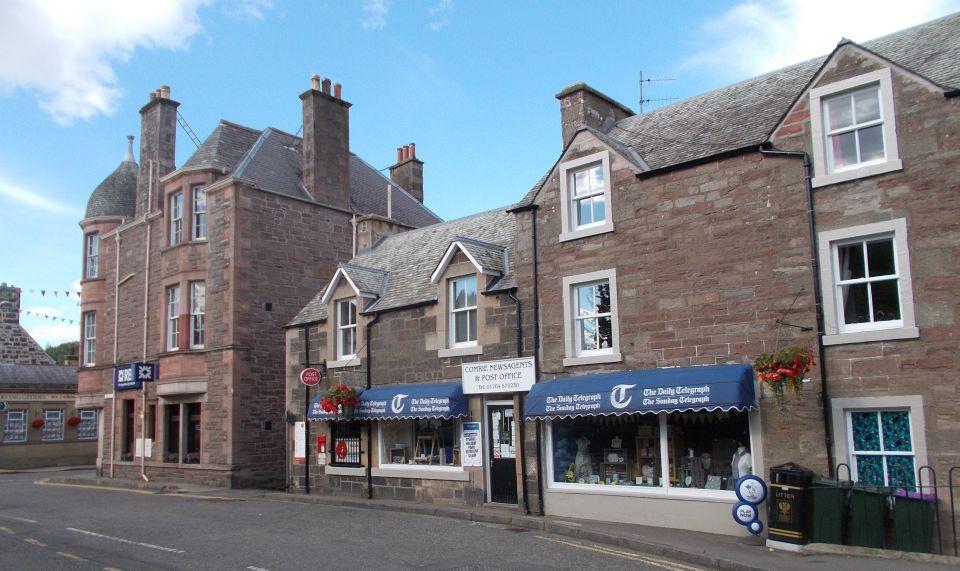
63, 350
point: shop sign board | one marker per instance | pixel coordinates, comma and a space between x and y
504, 376
133, 376
310, 377
471, 444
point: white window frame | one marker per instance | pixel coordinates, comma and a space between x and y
10, 417
818, 96
569, 229
471, 311
841, 407
173, 317
346, 327
835, 333
176, 218
93, 256
199, 226
422, 471
88, 418
198, 295
571, 346
89, 338
52, 430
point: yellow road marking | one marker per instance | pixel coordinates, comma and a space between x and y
70, 556
104, 488
111, 569
662, 563
36, 542
7, 530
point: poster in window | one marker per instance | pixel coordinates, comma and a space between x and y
299, 442
470, 443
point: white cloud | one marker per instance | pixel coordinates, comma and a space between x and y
65, 50
48, 333
754, 37
252, 9
36, 200
440, 15
376, 14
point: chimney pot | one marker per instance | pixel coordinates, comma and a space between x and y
315, 82
399, 155
337, 90
413, 150
153, 95
165, 91
406, 152
326, 85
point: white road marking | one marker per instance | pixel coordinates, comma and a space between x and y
70, 556
252, 568
36, 542
23, 519
121, 540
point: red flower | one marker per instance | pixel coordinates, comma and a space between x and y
74, 420
38, 423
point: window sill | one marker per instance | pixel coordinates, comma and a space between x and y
855, 173
454, 473
869, 336
586, 232
351, 362
593, 359
344, 470
460, 351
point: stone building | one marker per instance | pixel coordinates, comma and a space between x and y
41, 425
190, 273
673, 248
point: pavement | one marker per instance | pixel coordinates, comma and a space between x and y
704, 549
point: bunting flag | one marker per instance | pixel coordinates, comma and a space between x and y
47, 316
55, 292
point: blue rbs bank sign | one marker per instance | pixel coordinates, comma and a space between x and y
133, 376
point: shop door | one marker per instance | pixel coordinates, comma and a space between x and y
502, 452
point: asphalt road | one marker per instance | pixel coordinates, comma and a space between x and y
53, 527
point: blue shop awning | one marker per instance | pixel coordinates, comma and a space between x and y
714, 387
424, 400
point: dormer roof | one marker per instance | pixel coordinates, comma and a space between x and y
489, 259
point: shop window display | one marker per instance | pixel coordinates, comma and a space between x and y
703, 450
422, 441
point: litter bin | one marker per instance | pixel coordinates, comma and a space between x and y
913, 521
829, 502
868, 516
789, 505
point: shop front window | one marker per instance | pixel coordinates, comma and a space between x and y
694, 450
421, 441
346, 443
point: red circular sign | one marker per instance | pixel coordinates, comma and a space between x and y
310, 377
341, 450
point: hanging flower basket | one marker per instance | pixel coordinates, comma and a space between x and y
783, 369
38, 423
340, 400
74, 420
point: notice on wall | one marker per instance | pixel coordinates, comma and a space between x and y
300, 442
140, 446
471, 444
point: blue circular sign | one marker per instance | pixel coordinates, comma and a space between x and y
745, 514
751, 489
756, 527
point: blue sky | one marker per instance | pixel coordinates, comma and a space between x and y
471, 83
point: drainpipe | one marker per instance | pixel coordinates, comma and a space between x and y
116, 319
306, 412
817, 289
523, 439
146, 317
368, 328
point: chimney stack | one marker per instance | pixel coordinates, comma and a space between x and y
158, 144
408, 172
582, 105
326, 144
9, 304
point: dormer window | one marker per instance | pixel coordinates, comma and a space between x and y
346, 329
463, 311
585, 195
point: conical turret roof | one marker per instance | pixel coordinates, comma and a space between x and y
117, 194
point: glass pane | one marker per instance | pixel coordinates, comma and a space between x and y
880, 258
844, 149
867, 106
886, 300
871, 143
851, 261
461, 326
870, 470
581, 182
584, 211
459, 294
866, 432
603, 298
604, 333
856, 307
838, 112
599, 208
896, 431
596, 178
473, 324
705, 449
471, 285
588, 334
900, 472
605, 451
585, 300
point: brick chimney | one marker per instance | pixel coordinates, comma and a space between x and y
581, 105
326, 144
158, 144
9, 304
408, 172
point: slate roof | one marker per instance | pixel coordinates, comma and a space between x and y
369, 281
271, 160
409, 259
744, 115
489, 256
117, 194
44, 378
